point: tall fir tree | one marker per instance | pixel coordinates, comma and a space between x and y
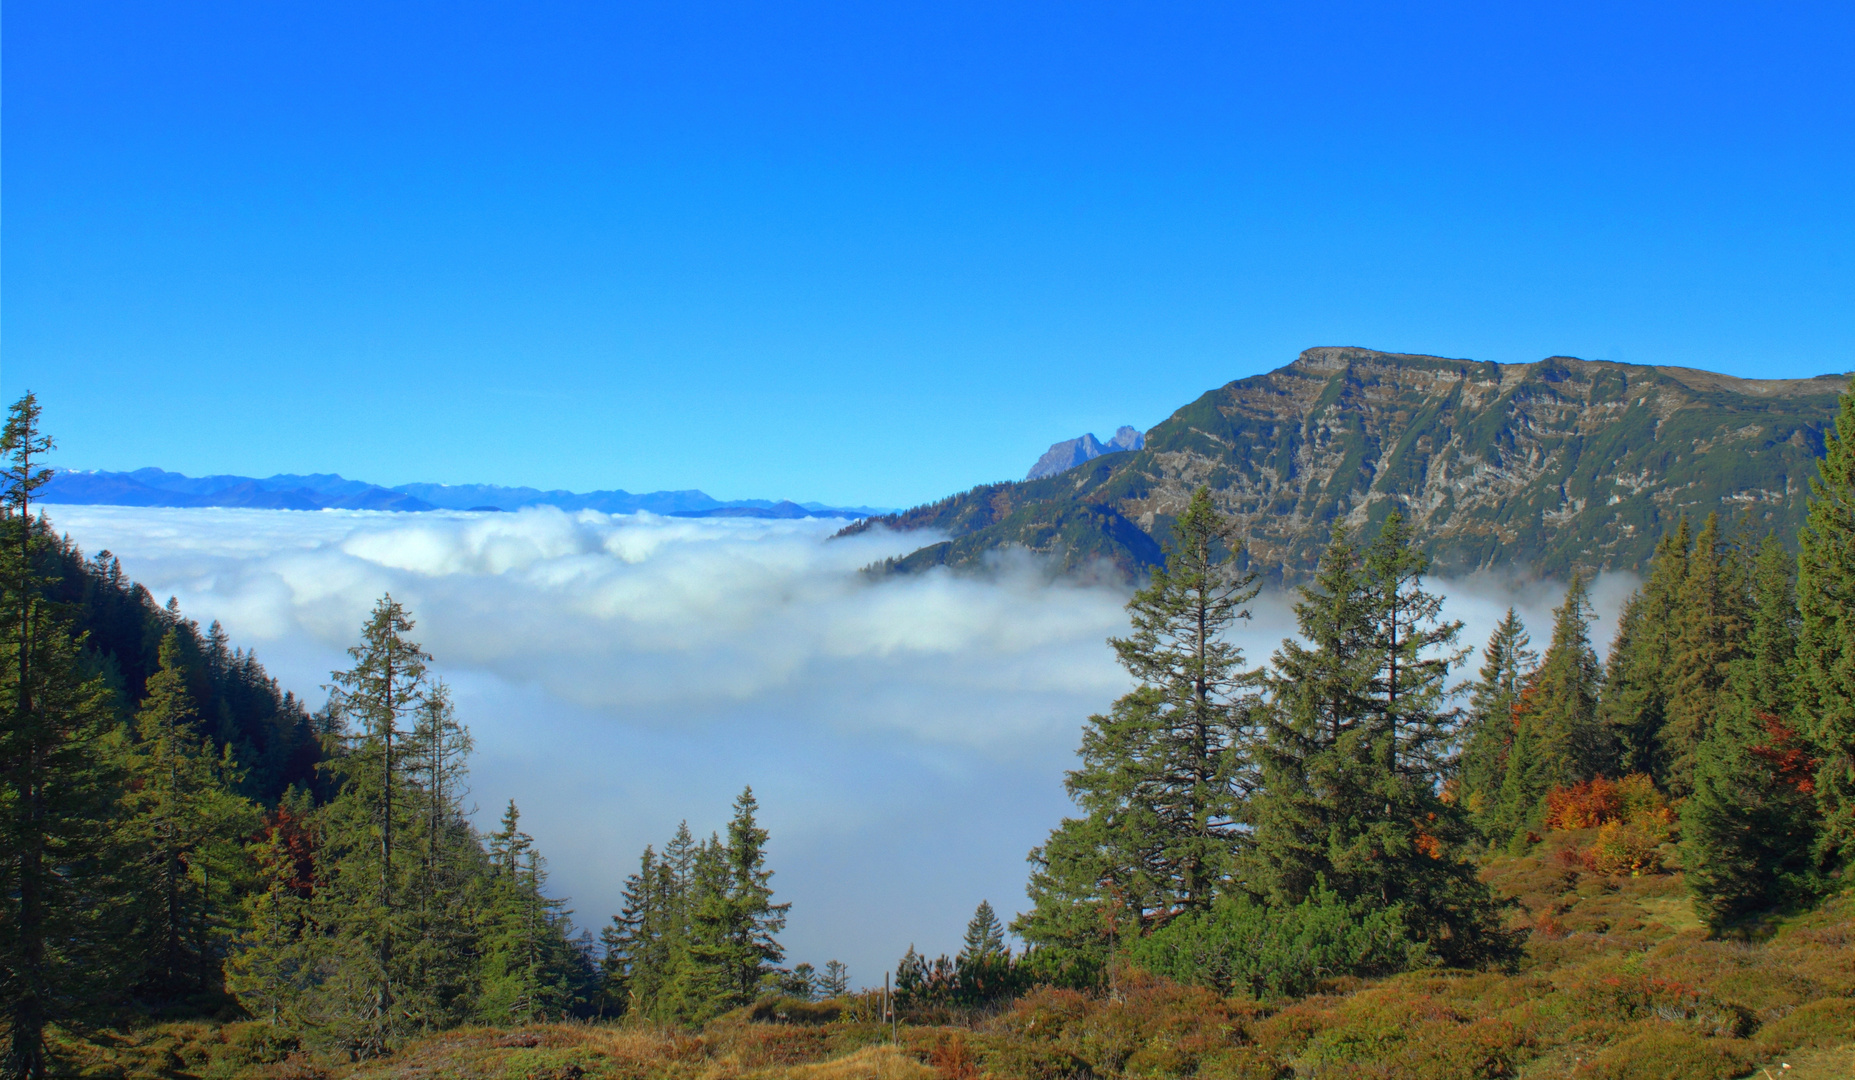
1358, 755
630, 941
1638, 681
1708, 638
985, 935
1558, 738
185, 828
1825, 685
1321, 693
1507, 662
273, 969
59, 888
528, 963
740, 922
1749, 829
367, 906
1165, 776
441, 951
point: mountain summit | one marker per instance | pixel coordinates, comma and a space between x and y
1540, 467
1064, 456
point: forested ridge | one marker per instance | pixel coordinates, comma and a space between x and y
1366, 856
1541, 468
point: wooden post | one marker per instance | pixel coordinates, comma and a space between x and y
888, 1006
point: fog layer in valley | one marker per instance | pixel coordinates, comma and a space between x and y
906, 737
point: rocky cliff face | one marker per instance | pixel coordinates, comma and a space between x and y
1066, 455
1539, 467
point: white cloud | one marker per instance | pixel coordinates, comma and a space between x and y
907, 737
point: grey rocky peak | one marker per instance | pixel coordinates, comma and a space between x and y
1070, 453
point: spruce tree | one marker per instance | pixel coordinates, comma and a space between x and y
441, 950
740, 923
1320, 692
836, 980
1558, 738
1708, 638
1749, 829
983, 970
1825, 684
367, 906
273, 970
1083, 903
1488, 733
185, 829
1358, 754
528, 962
1165, 776
61, 929
985, 935
1638, 680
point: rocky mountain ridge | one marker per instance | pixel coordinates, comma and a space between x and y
1535, 468
1066, 455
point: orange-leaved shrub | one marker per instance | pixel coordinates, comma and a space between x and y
1632, 819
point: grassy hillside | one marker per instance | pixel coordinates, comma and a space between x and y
1539, 466
1618, 982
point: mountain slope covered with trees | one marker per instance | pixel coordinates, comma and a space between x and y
1341, 863
1544, 467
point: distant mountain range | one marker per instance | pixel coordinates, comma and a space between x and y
1538, 467
327, 491
1065, 456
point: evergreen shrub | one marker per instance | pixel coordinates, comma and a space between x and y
1275, 951
1667, 1051
1828, 1022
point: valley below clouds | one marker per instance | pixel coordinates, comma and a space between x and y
907, 737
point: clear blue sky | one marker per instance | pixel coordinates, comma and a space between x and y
875, 252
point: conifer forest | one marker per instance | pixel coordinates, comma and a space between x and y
1380, 851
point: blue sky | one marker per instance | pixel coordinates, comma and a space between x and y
874, 252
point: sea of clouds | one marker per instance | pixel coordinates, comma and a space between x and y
906, 737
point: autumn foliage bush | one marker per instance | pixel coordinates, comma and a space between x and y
1632, 819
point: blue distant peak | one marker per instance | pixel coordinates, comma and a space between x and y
327, 491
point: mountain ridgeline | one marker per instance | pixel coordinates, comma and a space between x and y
1537, 467
328, 491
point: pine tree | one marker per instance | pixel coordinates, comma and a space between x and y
742, 924
983, 970
185, 829
1506, 664
1558, 738
1768, 682
1749, 829
59, 936
1164, 777
1826, 634
1638, 682
273, 968
1321, 693
441, 950
985, 935
528, 962
625, 969
1709, 636
367, 908
1358, 754
1083, 903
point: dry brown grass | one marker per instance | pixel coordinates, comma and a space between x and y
1619, 982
